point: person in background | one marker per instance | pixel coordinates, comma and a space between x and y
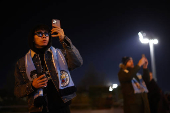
133, 86
157, 101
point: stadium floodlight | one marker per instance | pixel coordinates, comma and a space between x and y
143, 39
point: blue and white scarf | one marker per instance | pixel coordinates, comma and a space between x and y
61, 68
139, 87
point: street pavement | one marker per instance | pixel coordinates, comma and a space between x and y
113, 110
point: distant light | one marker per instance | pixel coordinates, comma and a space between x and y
154, 41
114, 86
143, 40
146, 40
144, 34
140, 35
110, 88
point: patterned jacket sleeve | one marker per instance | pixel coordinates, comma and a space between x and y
71, 54
23, 86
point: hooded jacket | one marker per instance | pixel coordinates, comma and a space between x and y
23, 87
133, 103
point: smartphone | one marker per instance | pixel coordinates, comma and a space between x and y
143, 55
56, 22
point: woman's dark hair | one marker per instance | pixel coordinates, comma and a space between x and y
41, 27
32, 33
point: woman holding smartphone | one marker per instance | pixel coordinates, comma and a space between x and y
43, 74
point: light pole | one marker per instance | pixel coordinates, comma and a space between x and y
145, 40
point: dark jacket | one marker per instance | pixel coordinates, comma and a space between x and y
23, 87
133, 103
157, 100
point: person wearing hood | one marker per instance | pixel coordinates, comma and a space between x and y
133, 86
43, 74
157, 100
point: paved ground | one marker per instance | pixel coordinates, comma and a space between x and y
7, 109
113, 110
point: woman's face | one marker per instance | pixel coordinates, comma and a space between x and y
130, 64
41, 38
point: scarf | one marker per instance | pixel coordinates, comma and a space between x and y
139, 85
61, 68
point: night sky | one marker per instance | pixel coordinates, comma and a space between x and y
103, 32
